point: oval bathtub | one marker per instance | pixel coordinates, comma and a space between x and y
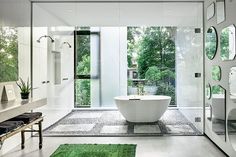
147, 108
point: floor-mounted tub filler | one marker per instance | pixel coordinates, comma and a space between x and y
142, 108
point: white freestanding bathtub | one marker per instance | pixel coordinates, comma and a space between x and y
147, 108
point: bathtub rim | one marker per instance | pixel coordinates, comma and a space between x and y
143, 97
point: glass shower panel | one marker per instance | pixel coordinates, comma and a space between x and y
189, 70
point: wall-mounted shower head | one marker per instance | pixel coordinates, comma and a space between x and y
45, 36
67, 44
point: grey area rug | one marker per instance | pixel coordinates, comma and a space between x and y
112, 123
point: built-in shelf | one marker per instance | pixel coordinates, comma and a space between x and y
11, 109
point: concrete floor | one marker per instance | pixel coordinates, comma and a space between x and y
170, 146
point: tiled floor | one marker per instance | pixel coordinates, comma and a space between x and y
146, 129
72, 127
112, 123
121, 129
171, 146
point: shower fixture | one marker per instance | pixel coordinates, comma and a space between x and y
67, 44
45, 36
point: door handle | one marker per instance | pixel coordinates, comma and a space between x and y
48, 81
64, 79
197, 75
44, 82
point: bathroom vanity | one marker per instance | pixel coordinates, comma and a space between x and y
11, 109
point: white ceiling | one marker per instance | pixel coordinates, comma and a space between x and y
14, 13
120, 0
17, 13
118, 14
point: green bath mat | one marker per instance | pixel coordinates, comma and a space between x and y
95, 150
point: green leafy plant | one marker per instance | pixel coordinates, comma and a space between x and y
24, 86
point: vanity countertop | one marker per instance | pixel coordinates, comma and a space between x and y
11, 109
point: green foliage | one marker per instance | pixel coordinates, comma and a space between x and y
130, 83
153, 74
24, 87
167, 75
83, 92
216, 73
218, 90
211, 43
132, 46
157, 48
167, 89
224, 44
83, 53
83, 68
8, 54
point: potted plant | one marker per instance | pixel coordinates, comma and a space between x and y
24, 88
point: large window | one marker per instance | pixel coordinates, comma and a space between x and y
151, 61
86, 68
8, 54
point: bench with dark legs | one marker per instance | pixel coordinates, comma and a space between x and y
21, 124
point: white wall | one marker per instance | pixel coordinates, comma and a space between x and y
225, 70
23, 34
9, 16
113, 64
60, 95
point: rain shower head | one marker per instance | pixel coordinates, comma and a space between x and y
45, 36
67, 44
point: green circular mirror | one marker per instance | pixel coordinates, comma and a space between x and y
216, 73
227, 43
211, 43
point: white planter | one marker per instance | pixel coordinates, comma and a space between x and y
132, 90
149, 90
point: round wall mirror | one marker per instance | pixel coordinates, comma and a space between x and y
227, 43
231, 125
218, 111
211, 43
210, 11
216, 73
208, 91
232, 84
